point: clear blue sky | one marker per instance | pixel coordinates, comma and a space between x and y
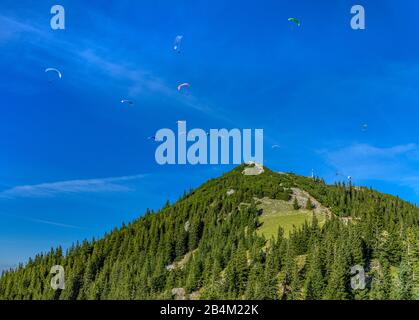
75, 163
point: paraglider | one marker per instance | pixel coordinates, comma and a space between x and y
295, 20
275, 146
177, 44
51, 72
127, 102
364, 127
179, 88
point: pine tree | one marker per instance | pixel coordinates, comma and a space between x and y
193, 280
314, 282
254, 288
295, 204
295, 284
405, 279
309, 204
337, 285
223, 254
381, 284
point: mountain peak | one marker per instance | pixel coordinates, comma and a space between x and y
269, 239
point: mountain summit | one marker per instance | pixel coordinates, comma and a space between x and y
243, 236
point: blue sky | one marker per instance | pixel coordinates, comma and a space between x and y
75, 163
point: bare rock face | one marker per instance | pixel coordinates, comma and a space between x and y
302, 198
230, 192
194, 295
253, 169
187, 225
171, 267
179, 293
181, 263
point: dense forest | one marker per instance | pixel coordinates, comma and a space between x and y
206, 246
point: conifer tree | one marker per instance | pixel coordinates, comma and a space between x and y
337, 285
405, 281
309, 204
295, 204
314, 282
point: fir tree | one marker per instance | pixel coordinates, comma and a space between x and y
295, 204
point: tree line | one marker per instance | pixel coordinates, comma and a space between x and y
207, 244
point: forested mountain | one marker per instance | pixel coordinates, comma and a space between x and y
208, 245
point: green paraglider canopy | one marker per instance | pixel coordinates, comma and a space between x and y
295, 20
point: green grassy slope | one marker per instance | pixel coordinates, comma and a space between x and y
230, 258
288, 220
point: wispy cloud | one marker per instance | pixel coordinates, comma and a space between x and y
90, 59
113, 184
137, 81
397, 164
370, 162
10, 28
42, 221
53, 223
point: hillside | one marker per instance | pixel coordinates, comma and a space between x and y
242, 236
